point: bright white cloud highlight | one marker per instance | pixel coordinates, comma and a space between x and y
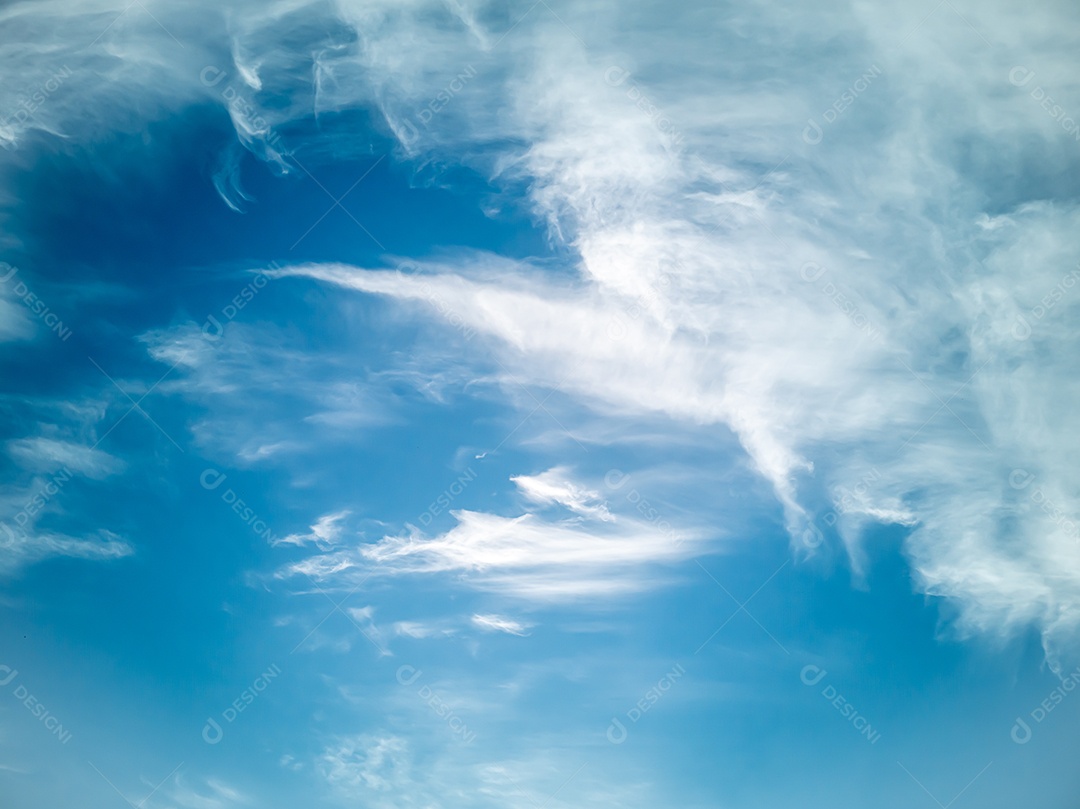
498, 623
554, 487
526, 557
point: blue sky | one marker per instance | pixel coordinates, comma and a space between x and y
452, 404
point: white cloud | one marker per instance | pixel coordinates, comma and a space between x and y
324, 534
26, 546
497, 623
15, 324
525, 557
288, 762
555, 487
384, 770
363, 618
939, 205
804, 296
362, 763
42, 454
301, 401
419, 630
35, 524
211, 793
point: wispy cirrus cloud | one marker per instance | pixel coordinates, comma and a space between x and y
865, 292
34, 523
555, 487
860, 293
593, 554
210, 793
525, 557
822, 322
324, 534
43, 454
499, 623
362, 763
22, 547
250, 364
